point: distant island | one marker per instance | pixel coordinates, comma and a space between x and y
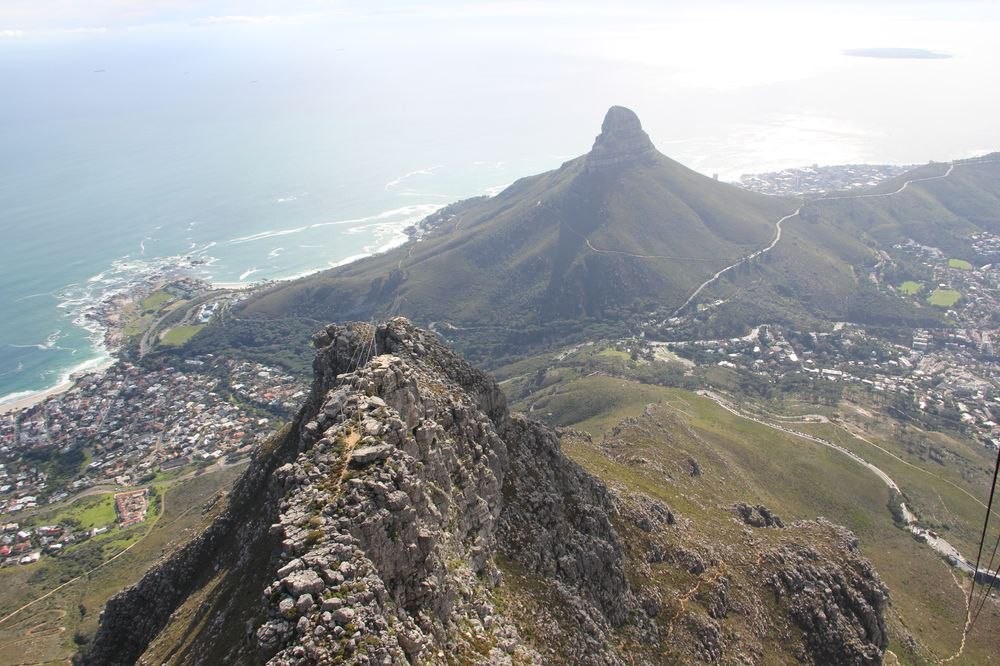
896, 53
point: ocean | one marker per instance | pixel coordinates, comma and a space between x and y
270, 150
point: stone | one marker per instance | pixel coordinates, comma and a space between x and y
621, 141
304, 603
295, 565
343, 615
408, 547
303, 582
366, 455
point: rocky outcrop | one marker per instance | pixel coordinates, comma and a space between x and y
621, 141
405, 480
408, 517
840, 607
756, 516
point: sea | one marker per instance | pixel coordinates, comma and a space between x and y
261, 150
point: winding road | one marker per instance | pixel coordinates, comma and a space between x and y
941, 546
777, 225
777, 237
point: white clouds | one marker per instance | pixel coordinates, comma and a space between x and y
11, 33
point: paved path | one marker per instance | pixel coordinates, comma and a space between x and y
777, 226
720, 273
940, 545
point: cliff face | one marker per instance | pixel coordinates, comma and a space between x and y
408, 517
382, 518
621, 141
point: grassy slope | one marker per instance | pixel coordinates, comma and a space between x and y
520, 259
819, 270
744, 461
178, 335
44, 633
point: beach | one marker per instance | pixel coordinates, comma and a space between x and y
30, 400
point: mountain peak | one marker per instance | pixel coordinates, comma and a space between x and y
622, 140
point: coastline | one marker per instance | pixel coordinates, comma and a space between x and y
16, 402
67, 382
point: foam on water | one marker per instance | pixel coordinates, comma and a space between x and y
426, 171
209, 250
267, 234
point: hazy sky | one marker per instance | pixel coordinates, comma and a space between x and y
725, 86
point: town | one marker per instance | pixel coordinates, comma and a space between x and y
818, 180
122, 426
945, 377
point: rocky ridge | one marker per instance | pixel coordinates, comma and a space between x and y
409, 517
621, 141
383, 516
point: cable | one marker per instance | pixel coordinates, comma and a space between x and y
982, 538
990, 581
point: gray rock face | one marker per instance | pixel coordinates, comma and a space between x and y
396, 520
757, 516
366, 455
404, 482
840, 609
621, 141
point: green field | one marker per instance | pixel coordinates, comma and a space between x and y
89, 512
614, 353
944, 298
45, 631
911, 288
155, 301
178, 335
961, 264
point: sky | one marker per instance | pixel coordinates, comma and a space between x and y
781, 82
699, 44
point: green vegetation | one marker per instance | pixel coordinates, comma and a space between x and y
911, 288
155, 301
740, 460
944, 298
52, 630
85, 513
960, 264
178, 335
283, 342
614, 353
516, 276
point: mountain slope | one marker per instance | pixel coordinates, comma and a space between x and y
618, 231
409, 517
616, 240
819, 270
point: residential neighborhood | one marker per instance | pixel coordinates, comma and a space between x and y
126, 424
818, 180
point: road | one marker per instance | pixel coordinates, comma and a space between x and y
720, 273
941, 546
777, 226
144, 341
